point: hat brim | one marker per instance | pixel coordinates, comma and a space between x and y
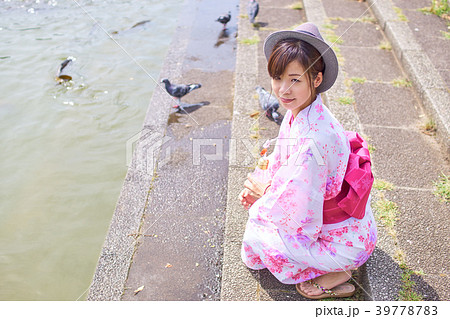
328, 55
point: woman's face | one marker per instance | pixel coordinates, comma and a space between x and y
292, 87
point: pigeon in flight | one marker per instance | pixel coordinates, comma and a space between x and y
224, 19
253, 9
179, 90
269, 104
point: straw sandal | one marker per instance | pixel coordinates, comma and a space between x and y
343, 290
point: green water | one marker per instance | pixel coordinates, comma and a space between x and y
63, 147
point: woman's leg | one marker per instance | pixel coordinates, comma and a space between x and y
327, 281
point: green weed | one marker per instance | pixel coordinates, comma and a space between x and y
439, 8
385, 45
382, 185
407, 292
250, 41
400, 82
429, 128
386, 212
297, 6
333, 38
346, 100
358, 80
442, 188
329, 26
400, 14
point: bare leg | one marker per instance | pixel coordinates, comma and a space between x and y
328, 281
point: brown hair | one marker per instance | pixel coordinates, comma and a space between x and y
288, 50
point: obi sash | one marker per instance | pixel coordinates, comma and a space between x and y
355, 191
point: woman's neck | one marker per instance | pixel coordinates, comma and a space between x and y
298, 110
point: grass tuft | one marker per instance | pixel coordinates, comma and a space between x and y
429, 128
439, 8
330, 26
442, 188
383, 185
358, 80
446, 34
407, 292
385, 45
250, 41
386, 212
400, 82
333, 38
400, 14
297, 6
346, 100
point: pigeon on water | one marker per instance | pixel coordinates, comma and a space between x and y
224, 19
62, 76
180, 90
269, 104
253, 9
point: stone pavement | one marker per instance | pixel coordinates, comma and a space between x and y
384, 98
166, 233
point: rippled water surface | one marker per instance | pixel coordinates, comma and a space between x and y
63, 146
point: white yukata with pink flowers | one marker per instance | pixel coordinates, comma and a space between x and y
285, 231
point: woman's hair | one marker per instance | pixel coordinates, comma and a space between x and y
288, 50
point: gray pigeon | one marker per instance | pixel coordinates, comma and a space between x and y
224, 19
61, 75
253, 9
269, 104
179, 90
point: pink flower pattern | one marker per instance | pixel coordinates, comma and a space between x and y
285, 231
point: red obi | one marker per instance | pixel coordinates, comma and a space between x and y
355, 191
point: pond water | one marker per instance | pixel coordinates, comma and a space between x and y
63, 146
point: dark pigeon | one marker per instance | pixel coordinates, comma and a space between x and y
61, 75
180, 90
224, 19
253, 9
269, 104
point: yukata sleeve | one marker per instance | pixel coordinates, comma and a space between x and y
294, 203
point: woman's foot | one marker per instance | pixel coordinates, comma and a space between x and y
327, 281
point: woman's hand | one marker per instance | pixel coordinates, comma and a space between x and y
247, 198
253, 191
258, 189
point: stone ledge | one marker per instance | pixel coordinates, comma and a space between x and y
427, 81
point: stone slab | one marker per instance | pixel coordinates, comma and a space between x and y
385, 105
419, 238
371, 63
419, 67
405, 157
344, 9
358, 34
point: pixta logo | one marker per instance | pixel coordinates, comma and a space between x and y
147, 149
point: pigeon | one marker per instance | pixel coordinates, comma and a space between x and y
253, 9
269, 104
180, 90
224, 19
64, 76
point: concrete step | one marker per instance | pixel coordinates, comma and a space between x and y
390, 118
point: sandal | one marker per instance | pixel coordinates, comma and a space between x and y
343, 290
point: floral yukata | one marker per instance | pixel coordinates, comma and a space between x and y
285, 231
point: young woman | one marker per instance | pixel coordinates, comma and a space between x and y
310, 221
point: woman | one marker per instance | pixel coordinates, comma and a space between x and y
310, 221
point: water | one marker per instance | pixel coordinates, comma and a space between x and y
63, 156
